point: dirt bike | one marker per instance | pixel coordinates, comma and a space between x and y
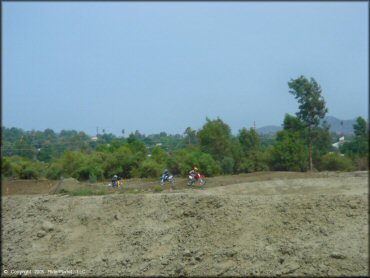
170, 179
116, 184
197, 177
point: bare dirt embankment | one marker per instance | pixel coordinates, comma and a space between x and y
261, 224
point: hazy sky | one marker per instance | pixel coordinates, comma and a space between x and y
165, 66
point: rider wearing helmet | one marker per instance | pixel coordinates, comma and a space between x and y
194, 172
114, 180
165, 174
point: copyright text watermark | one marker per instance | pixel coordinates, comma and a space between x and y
48, 272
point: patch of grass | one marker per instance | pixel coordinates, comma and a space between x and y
157, 188
86, 192
100, 192
82, 192
130, 191
63, 191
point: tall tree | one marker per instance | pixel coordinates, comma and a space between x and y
311, 106
190, 135
215, 139
289, 152
360, 144
250, 148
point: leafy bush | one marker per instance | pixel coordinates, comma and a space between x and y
227, 165
150, 169
23, 168
159, 155
245, 166
204, 162
174, 164
71, 161
361, 163
335, 162
207, 165
54, 171
29, 172
6, 167
288, 153
92, 178
88, 172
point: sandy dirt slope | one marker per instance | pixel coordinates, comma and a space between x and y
300, 226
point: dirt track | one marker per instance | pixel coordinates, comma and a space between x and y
314, 224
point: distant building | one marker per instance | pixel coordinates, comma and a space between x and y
340, 142
94, 138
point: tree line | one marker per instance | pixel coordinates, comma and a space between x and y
301, 145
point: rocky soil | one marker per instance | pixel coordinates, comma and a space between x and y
306, 226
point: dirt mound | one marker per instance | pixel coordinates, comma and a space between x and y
312, 226
27, 187
68, 184
74, 187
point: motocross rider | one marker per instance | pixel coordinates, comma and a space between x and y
114, 180
166, 174
194, 173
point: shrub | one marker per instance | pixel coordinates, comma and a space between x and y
6, 167
245, 166
227, 165
92, 178
29, 173
207, 165
54, 172
174, 165
335, 162
150, 169
23, 168
72, 160
288, 153
361, 163
159, 155
88, 172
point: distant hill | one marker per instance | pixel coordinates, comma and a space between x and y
335, 126
269, 129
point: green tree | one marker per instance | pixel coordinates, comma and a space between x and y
293, 124
215, 139
22, 168
311, 106
335, 162
361, 136
288, 153
121, 162
251, 159
182, 161
359, 145
190, 136
321, 143
6, 167
46, 153
150, 169
159, 155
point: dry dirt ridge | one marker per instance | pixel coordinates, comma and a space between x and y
301, 226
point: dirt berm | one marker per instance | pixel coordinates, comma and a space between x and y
298, 227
